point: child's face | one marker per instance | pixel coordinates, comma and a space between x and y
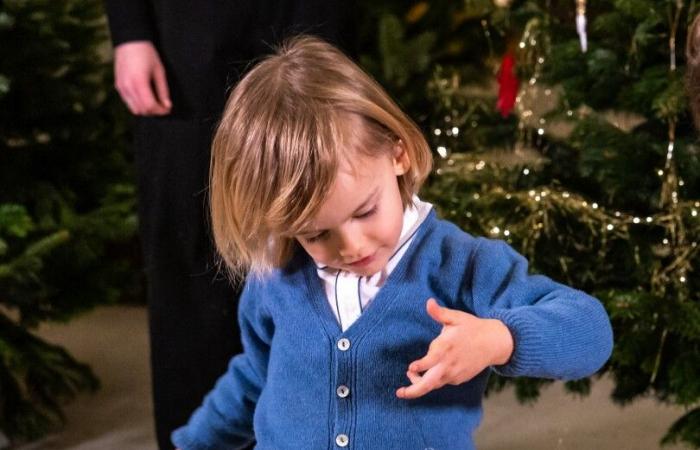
359, 224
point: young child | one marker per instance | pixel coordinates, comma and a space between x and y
367, 322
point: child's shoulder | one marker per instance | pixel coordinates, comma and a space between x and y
445, 236
448, 242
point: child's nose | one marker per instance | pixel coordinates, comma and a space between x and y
349, 244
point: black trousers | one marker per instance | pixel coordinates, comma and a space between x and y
192, 308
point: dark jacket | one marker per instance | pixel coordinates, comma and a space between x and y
205, 45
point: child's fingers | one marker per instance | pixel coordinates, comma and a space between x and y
431, 380
414, 377
429, 360
441, 314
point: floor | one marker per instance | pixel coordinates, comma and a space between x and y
113, 340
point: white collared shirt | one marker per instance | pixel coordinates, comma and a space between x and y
348, 294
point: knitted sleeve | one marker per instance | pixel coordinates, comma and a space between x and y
225, 419
559, 332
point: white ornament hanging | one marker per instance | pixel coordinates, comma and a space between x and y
581, 24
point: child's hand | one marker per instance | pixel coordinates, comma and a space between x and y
466, 346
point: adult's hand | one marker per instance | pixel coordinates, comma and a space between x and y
139, 77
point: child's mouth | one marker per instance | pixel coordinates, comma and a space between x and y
363, 262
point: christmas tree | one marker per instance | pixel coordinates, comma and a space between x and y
66, 201
562, 128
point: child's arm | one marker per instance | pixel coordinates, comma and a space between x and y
556, 331
225, 419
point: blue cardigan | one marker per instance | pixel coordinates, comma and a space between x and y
303, 384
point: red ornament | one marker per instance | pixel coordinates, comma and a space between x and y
507, 85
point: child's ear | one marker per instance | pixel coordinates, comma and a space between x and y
401, 160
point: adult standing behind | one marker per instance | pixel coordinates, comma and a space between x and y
174, 61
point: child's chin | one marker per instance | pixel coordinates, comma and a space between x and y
367, 271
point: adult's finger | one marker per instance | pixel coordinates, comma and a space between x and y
147, 99
128, 98
162, 90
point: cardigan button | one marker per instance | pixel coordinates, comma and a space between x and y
344, 344
342, 391
342, 440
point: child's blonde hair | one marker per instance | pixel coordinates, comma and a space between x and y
286, 127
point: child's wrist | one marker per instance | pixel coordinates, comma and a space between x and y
503, 343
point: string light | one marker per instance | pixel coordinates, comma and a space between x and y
617, 222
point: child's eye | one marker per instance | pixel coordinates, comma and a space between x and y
367, 214
319, 237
